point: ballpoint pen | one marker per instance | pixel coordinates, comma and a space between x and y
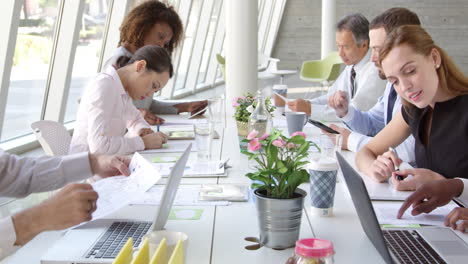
397, 168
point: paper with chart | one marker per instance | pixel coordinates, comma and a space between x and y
186, 195
386, 214
116, 192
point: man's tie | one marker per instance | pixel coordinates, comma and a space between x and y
391, 102
353, 77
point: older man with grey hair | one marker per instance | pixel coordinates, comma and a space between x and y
359, 79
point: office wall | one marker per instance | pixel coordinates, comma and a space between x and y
299, 33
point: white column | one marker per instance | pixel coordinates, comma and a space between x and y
241, 47
328, 26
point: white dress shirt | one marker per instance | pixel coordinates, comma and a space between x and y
463, 198
368, 88
155, 106
366, 124
22, 176
106, 112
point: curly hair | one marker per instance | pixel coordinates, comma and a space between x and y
140, 20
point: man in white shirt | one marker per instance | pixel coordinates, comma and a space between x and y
366, 124
433, 194
359, 80
72, 205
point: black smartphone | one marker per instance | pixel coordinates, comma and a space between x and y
323, 126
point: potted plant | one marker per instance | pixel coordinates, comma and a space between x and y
279, 171
244, 106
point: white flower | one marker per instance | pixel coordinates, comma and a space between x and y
250, 109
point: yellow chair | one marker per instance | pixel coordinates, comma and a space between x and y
323, 71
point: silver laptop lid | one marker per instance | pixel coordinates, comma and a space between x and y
170, 190
364, 208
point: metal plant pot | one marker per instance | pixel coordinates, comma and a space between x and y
279, 219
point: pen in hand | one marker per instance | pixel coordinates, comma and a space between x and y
397, 168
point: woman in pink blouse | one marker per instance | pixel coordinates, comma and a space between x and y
107, 120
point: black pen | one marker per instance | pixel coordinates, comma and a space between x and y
397, 168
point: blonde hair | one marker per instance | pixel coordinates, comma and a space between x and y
451, 79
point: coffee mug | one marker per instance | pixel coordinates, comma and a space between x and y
296, 121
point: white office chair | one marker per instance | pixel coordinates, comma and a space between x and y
53, 137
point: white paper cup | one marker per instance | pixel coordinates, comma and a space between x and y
322, 173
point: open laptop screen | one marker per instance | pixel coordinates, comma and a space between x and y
364, 208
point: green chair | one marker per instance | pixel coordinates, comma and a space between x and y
323, 71
222, 62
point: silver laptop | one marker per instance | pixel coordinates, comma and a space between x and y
100, 241
402, 245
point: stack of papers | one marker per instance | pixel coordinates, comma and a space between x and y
173, 146
224, 192
194, 169
187, 195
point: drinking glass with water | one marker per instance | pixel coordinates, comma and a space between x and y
203, 140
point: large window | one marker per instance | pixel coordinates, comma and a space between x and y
59, 45
30, 69
190, 32
87, 53
209, 41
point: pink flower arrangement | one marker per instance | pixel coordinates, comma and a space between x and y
280, 161
245, 105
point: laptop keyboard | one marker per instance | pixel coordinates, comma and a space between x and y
409, 247
116, 236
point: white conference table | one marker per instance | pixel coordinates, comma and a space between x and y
218, 236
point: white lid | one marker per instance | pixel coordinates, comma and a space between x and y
323, 164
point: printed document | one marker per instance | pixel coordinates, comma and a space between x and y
386, 214
172, 146
116, 192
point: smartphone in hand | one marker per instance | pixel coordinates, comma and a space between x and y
323, 126
198, 113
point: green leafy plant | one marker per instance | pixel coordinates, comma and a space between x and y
280, 162
246, 104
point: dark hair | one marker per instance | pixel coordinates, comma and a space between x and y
141, 19
157, 59
451, 79
357, 24
393, 18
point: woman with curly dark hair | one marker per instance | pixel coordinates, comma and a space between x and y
152, 23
